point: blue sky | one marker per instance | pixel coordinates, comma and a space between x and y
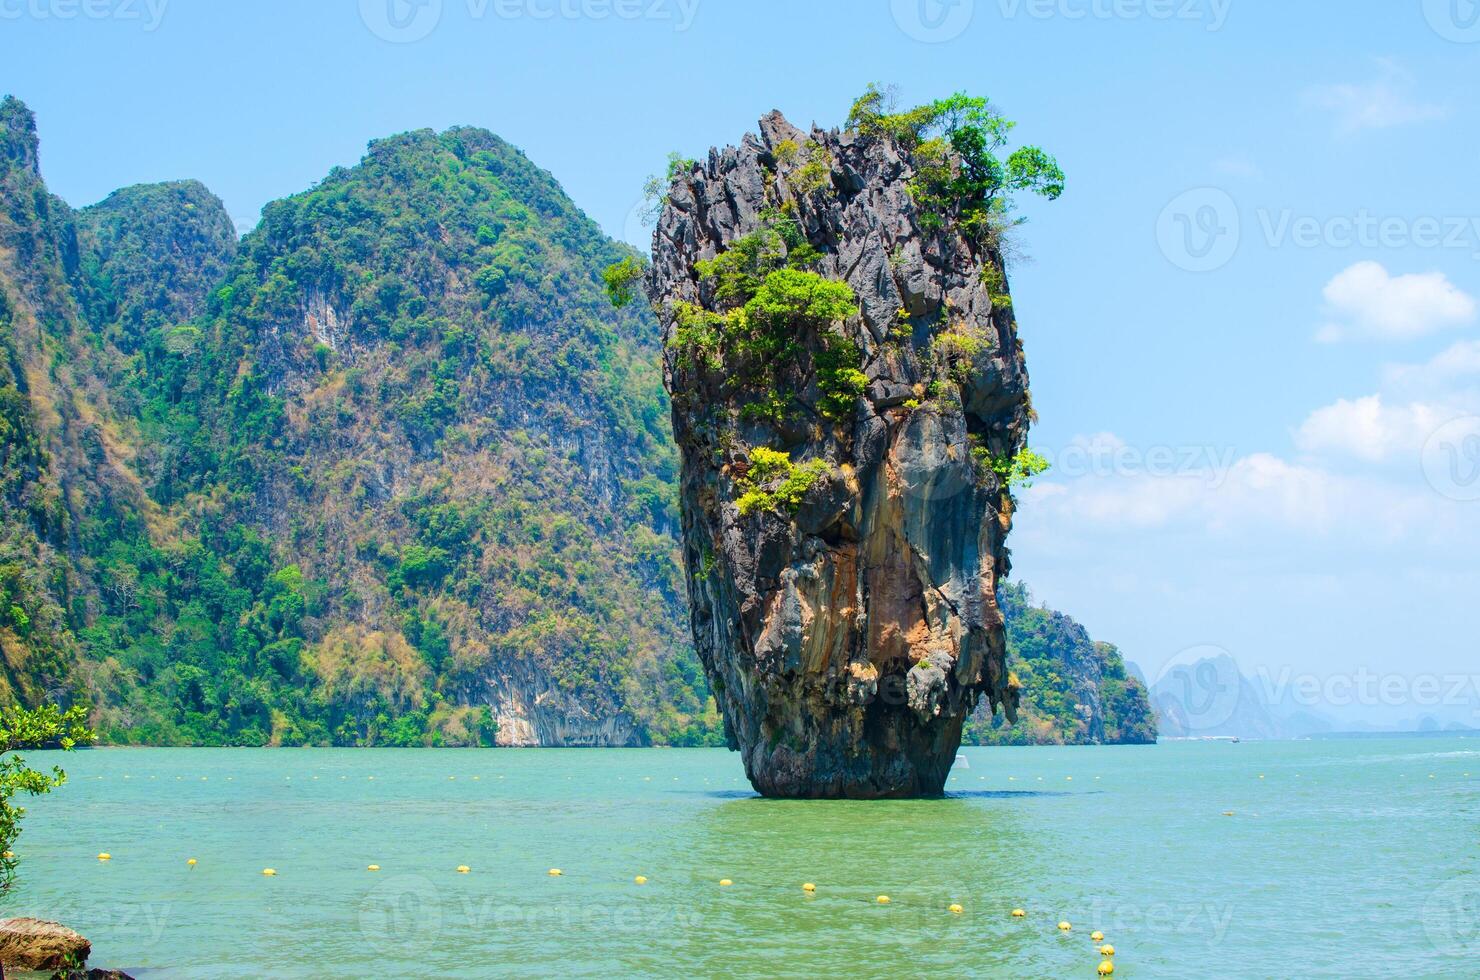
1251, 320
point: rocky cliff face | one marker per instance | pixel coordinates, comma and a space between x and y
848, 391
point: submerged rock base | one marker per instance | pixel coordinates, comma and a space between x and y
845, 451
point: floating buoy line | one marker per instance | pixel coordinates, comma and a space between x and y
1103, 949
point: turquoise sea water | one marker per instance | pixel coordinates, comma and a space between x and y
1346, 859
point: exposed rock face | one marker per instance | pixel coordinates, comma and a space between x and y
35, 944
847, 616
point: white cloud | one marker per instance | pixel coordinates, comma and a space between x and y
1364, 301
1369, 429
1455, 369
1378, 104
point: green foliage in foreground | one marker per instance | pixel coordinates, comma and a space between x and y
775, 483
1018, 470
955, 145
44, 727
771, 308
621, 279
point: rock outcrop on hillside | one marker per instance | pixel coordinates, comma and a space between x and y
1074, 690
845, 511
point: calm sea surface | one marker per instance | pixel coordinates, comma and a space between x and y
1349, 859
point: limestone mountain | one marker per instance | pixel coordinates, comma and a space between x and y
389, 472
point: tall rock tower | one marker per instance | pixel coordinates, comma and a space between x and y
850, 399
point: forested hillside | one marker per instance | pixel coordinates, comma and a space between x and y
1075, 691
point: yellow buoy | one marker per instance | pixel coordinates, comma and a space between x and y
191, 862
640, 879
556, 872
1097, 936
809, 887
269, 872
882, 899
1064, 926
1106, 968
725, 883
105, 856
463, 869
956, 908
9, 855
1018, 913
373, 867
1107, 950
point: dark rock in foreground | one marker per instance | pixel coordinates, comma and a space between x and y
48, 947
844, 503
35, 944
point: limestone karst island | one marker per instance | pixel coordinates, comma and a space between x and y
556, 487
